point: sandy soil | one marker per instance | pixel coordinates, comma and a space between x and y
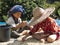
29, 41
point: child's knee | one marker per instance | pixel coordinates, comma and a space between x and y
51, 38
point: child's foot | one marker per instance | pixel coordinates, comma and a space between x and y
42, 40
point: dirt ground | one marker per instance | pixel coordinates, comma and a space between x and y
29, 41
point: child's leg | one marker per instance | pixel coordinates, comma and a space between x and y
24, 32
39, 35
52, 38
40, 30
14, 34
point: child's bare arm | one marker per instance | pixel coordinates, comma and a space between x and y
21, 25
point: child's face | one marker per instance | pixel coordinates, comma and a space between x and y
17, 15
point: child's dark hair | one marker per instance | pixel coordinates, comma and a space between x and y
16, 8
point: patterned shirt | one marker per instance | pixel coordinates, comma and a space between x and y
48, 25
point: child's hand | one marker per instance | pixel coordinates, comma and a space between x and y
24, 38
31, 27
24, 23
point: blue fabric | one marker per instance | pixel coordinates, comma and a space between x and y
16, 8
2, 23
58, 21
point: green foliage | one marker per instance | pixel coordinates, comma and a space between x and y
28, 5
59, 12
